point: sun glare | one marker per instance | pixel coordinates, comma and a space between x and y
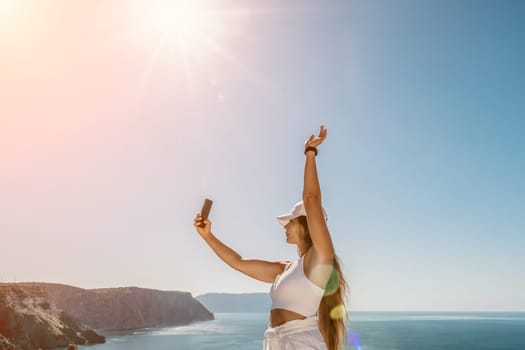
193, 37
184, 21
4, 7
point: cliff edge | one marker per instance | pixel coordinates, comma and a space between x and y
29, 320
126, 307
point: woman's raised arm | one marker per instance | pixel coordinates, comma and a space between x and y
261, 270
322, 242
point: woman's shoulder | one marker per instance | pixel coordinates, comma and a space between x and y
288, 263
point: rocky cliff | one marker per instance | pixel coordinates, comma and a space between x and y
29, 320
127, 307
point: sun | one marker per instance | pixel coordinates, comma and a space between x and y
190, 38
184, 21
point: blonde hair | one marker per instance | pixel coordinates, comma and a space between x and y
332, 313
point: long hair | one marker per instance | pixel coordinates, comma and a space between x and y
332, 313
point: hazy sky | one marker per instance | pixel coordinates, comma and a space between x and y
117, 118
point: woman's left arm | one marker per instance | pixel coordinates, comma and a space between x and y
322, 242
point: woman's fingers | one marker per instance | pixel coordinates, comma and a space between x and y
322, 132
198, 220
316, 141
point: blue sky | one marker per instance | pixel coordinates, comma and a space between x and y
110, 141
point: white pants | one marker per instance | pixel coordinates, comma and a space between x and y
295, 335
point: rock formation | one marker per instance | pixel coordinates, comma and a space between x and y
30, 321
127, 307
46, 315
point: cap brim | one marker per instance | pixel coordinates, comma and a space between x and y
284, 219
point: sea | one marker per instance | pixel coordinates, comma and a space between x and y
366, 330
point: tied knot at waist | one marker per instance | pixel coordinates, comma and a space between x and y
293, 326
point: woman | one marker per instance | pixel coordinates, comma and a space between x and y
308, 294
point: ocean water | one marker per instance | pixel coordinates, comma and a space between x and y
367, 331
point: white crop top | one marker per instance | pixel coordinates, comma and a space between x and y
292, 290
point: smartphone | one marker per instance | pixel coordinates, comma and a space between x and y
205, 211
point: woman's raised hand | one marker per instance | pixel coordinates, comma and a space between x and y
316, 141
206, 225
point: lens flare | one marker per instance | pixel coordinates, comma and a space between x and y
354, 339
184, 21
333, 283
337, 312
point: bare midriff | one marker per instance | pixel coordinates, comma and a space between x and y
280, 316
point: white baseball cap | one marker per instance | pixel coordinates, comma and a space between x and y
297, 210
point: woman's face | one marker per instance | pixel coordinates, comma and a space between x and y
294, 231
